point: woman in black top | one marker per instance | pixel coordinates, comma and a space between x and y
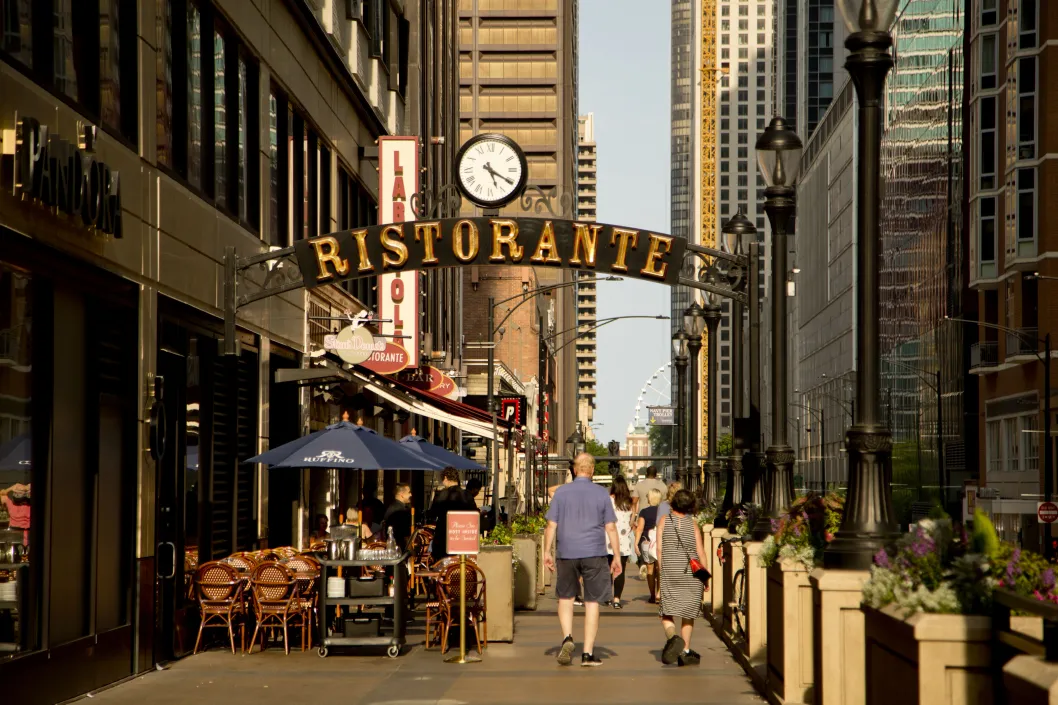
648, 519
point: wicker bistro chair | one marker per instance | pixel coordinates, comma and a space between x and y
448, 595
220, 601
306, 570
419, 548
276, 603
434, 605
242, 561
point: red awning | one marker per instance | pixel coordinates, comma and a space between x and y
450, 406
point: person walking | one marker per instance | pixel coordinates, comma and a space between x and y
621, 497
582, 518
643, 487
645, 523
679, 540
450, 498
667, 495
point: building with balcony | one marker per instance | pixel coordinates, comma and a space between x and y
1012, 166
587, 169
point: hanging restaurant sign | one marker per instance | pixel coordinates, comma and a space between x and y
60, 175
353, 344
456, 242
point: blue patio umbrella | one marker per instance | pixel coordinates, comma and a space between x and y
419, 445
345, 445
15, 454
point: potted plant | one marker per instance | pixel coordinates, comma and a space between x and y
790, 554
497, 562
925, 605
528, 542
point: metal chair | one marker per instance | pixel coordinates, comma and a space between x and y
219, 590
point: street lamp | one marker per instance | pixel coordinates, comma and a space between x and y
779, 158
711, 313
868, 522
693, 325
739, 232
575, 444
679, 350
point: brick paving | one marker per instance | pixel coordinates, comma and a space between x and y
521, 673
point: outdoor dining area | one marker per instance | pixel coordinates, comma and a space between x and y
352, 588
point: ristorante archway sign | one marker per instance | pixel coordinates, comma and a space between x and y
427, 243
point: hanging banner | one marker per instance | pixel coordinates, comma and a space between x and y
398, 293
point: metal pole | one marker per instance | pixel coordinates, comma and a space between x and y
753, 486
681, 421
713, 464
733, 492
462, 657
1048, 452
779, 204
490, 452
868, 520
694, 346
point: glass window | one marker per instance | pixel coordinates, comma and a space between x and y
65, 64
988, 61
164, 82
16, 385
194, 96
16, 30
110, 62
1026, 204
273, 170
220, 123
987, 156
244, 134
987, 248
994, 448
1027, 24
1027, 108
988, 12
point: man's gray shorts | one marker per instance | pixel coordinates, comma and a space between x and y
595, 571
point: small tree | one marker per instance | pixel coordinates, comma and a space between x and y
598, 450
725, 445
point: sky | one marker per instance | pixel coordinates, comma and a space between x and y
624, 81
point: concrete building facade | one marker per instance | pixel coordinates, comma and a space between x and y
587, 175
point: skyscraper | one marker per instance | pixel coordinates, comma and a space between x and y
586, 212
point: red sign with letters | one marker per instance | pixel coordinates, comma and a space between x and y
463, 533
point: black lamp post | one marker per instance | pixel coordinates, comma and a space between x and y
868, 522
693, 325
779, 158
679, 351
711, 313
575, 445
738, 232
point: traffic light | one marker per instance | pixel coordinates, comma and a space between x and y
614, 448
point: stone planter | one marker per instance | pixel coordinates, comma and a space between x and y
939, 659
790, 635
734, 560
496, 563
541, 571
757, 608
838, 636
527, 558
716, 590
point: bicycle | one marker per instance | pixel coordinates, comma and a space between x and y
738, 607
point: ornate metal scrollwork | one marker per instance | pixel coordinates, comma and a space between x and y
538, 201
445, 202
279, 274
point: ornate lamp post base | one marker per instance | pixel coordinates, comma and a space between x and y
711, 487
868, 524
733, 493
779, 462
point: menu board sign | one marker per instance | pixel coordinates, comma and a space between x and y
463, 533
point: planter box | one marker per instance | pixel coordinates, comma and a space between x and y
838, 636
495, 563
541, 579
734, 561
527, 558
756, 608
716, 590
790, 635
932, 659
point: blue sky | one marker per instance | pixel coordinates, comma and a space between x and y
624, 81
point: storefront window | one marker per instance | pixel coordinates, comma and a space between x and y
220, 123
110, 63
194, 96
65, 59
164, 82
16, 371
16, 30
191, 470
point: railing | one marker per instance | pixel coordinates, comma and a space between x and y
1023, 341
1003, 603
984, 355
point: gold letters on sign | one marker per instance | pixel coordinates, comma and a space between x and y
455, 242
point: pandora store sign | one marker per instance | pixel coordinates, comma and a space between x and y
59, 175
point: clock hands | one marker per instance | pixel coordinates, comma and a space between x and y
494, 174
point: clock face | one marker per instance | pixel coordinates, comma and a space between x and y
491, 170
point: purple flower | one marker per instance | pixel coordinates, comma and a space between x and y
881, 559
775, 523
1048, 578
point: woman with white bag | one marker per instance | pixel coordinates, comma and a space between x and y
646, 542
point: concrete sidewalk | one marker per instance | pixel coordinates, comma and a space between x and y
522, 673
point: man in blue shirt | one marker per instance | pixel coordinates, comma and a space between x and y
581, 515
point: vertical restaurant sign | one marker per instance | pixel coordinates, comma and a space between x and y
398, 293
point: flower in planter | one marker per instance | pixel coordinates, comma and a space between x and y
803, 532
741, 520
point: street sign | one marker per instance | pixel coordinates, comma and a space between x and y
1047, 512
662, 415
463, 533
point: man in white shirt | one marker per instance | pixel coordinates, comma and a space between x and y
639, 492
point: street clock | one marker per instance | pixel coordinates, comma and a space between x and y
491, 170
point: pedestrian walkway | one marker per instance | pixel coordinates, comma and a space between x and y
522, 673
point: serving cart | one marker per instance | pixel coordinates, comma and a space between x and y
398, 600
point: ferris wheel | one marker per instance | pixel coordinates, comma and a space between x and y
655, 391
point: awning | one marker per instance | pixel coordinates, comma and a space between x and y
465, 418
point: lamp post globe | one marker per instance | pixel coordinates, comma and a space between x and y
868, 521
575, 443
779, 158
738, 231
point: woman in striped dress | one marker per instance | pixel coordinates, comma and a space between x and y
680, 540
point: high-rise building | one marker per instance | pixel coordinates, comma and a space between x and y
518, 77
1012, 145
587, 170
684, 55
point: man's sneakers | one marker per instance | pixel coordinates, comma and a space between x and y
673, 649
590, 660
578, 601
565, 652
690, 658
